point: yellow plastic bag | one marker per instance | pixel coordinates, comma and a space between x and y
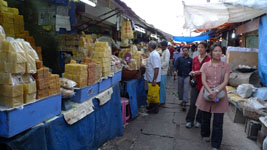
153, 93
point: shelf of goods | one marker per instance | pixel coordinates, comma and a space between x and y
16, 120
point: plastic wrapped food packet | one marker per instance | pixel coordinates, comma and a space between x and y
29, 88
67, 93
66, 83
31, 56
9, 79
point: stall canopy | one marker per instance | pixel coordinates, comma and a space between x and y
191, 39
257, 4
212, 15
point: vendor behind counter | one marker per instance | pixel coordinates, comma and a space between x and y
106, 38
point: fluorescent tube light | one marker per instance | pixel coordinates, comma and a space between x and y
88, 2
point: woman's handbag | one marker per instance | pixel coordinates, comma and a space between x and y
220, 95
193, 81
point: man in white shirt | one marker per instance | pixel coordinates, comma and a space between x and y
165, 59
153, 72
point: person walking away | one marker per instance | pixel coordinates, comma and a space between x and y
165, 59
198, 61
153, 74
171, 50
183, 66
215, 76
176, 55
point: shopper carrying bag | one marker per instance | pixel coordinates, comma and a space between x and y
215, 104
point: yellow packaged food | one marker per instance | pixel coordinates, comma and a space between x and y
41, 84
100, 49
31, 67
13, 11
3, 57
67, 76
46, 72
105, 74
106, 69
101, 44
5, 45
11, 101
16, 57
29, 98
3, 3
11, 91
102, 54
15, 68
29, 88
8, 78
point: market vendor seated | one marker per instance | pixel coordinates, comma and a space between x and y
106, 38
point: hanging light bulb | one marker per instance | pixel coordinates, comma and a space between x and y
233, 34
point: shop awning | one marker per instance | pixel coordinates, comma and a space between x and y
213, 15
191, 39
257, 4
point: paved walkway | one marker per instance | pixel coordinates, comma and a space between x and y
166, 131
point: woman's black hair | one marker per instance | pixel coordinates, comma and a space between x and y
213, 47
204, 44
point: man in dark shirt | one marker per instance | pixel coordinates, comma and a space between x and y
183, 66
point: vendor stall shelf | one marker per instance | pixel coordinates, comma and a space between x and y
116, 78
104, 84
86, 93
16, 120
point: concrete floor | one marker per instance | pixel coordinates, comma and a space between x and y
166, 131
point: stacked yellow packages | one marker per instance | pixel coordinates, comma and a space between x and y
17, 63
136, 59
85, 47
11, 91
13, 23
77, 73
54, 85
68, 42
102, 54
17, 57
126, 30
42, 84
136, 55
10, 19
94, 71
47, 83
29, 88
11, 95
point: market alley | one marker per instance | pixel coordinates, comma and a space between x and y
166, 131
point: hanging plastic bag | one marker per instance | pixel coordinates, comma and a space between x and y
153, 93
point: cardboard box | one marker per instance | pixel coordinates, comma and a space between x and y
242, 58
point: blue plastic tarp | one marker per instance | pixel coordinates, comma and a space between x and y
131, 88
32, 139
141, 93
262, 58
191, 39
90, 132
108, 118
79, 136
